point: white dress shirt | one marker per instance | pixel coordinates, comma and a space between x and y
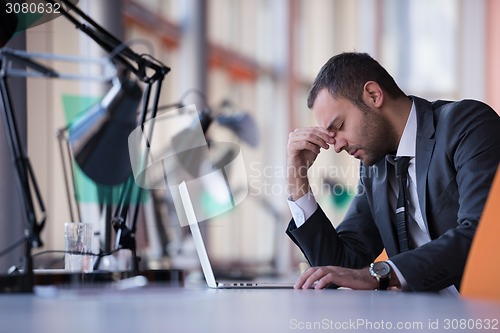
305, 206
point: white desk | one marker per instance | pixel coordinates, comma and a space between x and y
196, 309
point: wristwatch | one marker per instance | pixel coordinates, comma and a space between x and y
382, 272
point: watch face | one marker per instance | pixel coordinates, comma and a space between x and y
381, 268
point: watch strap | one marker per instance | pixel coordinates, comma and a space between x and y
384, 282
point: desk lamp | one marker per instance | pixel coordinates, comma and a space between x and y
98, 139
143, 67
239, 123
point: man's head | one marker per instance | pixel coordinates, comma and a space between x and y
354, 97
345, 75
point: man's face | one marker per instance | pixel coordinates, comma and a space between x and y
367, 136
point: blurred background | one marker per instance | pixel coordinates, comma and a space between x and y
260, 57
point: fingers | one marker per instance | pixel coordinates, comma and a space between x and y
316, 277
325, 276
314, 135
303, 278
304, 144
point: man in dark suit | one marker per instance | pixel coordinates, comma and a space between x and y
453, 149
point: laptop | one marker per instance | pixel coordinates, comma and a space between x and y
203, 254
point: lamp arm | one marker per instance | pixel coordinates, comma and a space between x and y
27, 184
37, 69
26, 177
125, 237
137, 64
29, 63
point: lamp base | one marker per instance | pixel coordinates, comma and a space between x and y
15, 284
60, 277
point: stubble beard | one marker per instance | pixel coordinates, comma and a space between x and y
378, 137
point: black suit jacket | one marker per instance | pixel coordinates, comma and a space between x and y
457, 154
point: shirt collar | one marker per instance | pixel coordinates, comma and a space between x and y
409, 137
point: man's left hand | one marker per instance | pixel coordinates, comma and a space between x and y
324, 276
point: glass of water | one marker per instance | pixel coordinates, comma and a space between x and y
78, 247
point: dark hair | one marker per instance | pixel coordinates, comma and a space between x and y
345, 75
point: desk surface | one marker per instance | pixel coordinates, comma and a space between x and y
199, 309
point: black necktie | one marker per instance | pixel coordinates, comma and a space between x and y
401, 164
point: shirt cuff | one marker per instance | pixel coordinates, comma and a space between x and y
401, 278
302, 208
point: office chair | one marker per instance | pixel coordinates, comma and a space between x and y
481, 277
382, 256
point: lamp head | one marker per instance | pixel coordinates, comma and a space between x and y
240, 123
8, 24
99, 138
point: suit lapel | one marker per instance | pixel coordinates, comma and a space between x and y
424, 149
